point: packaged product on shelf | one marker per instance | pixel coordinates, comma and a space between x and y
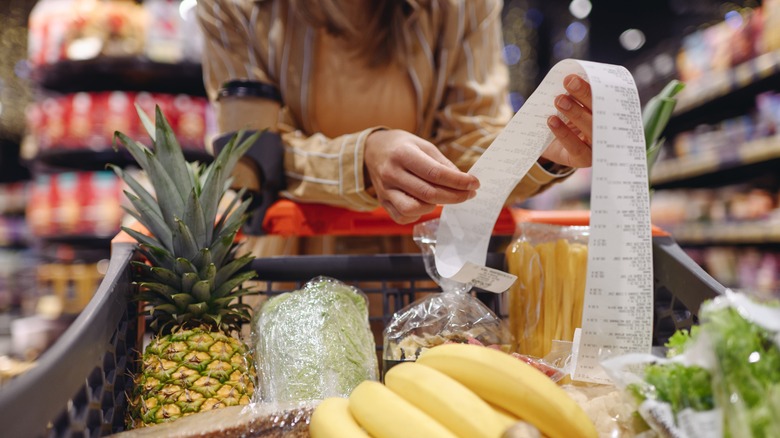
452, 316
771, 26
172, 35
721, 379
103, 212
66, 196
17, 282
39, 211
13, 197
545, 303
13, 231
84, 204
313, 343
69, 274
707, 56
78, 30
84, 29
87, 121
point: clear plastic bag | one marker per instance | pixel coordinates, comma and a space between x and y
720, 379
545, 303
313, 343
255, 420
454, 315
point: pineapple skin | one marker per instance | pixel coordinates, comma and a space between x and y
191, 281
190, 371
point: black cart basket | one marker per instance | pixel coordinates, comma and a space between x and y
78, 387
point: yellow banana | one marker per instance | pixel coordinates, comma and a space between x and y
507, 417
508, 383
445, 400
384, 414
332, 419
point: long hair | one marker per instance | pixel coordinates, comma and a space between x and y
380, 41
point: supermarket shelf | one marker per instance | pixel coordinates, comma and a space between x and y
125, 74
740, 233
85, 240
725, 94
86, 159
720, 166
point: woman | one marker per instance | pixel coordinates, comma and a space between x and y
382, 102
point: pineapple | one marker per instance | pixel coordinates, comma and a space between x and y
191, 283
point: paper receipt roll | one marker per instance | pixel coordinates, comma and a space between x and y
618, 310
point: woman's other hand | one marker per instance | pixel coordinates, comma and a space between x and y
411, 176
573, 140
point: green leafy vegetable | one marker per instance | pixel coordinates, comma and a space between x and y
679, 385
679, 340
314, 343
743, 380
746, 382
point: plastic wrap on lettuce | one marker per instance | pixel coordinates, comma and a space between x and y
314, 343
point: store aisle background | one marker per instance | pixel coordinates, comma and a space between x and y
715, 188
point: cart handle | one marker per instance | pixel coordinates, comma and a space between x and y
565, 218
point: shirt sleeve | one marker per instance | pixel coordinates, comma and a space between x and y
317, 168
326, 170
475, 106
231, 44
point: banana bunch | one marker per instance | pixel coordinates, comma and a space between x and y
453, 391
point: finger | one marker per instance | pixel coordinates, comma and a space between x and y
579, 89
577, 115
439, 174
395, 215
405, 208
437, 155
574, 152
427, 192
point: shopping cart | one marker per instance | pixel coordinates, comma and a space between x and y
79, 386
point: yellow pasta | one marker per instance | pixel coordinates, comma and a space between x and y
546, 302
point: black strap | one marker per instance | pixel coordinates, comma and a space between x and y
245, 88
267, 152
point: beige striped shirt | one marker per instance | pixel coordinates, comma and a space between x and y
456, 69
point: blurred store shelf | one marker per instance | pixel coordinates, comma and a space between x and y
716, 165
721, 83
127, 74
722, 94
741, 233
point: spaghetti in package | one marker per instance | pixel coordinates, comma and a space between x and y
720, 379
545, 303
454, 315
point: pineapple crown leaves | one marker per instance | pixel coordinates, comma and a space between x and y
194, 275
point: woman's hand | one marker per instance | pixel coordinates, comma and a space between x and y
573, 140
411, 176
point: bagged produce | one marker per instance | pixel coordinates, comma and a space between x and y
545, 303
721, 379
454, 315
314, 343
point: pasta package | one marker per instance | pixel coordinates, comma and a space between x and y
545, 303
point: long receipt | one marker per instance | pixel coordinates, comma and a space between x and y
618, 307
